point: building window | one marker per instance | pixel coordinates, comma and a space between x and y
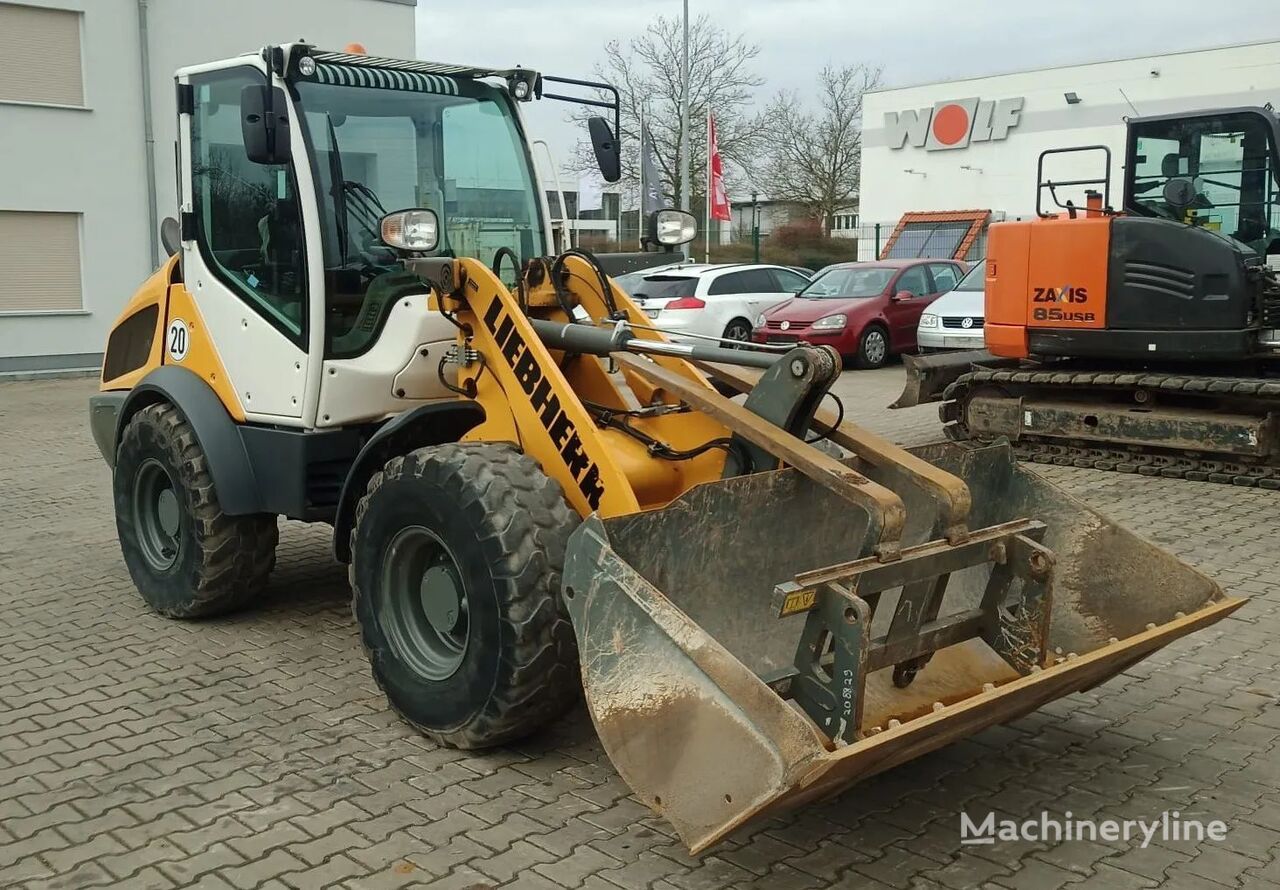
39, 262
40, 55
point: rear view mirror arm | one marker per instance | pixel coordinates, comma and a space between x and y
615, 106
605, 141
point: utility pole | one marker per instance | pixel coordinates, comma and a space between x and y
684, 116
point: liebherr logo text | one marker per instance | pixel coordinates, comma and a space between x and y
564, 435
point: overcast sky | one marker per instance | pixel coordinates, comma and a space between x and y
915, 41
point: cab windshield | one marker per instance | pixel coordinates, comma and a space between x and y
1224, 166
975, 279
374, 150
849, 281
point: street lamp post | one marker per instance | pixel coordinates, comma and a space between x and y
755, 225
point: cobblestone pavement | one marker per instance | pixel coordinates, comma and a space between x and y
255, 751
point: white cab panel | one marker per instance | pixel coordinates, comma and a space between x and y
364, 388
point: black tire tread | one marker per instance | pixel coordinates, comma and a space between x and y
534, 527
236, 554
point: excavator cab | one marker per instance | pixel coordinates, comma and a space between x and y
1216, 171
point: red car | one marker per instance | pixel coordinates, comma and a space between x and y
868, 311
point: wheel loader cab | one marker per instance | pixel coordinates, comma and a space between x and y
303, 292
282, 297
1175, 273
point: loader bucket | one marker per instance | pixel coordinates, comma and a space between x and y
929, 375
715, 710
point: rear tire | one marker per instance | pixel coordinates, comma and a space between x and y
873, 347
738, 330
186, 557
457, 552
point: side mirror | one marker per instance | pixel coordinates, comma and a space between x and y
170, 235
608, 155
672, 227
264, 124
902, 295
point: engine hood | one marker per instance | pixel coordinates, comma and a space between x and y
959, 303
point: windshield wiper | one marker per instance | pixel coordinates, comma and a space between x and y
338, 191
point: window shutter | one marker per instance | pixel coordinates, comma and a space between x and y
40, 55
39, 261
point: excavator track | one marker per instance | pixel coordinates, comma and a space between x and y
1261, 395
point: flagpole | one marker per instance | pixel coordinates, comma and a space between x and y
683, 186
706, 238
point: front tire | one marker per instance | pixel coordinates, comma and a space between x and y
873, 347
457, 552
186, 557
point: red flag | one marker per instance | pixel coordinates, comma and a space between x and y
719, 197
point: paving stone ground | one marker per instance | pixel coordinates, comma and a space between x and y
255, 751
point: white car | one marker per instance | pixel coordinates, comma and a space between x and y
954, 320
716, 300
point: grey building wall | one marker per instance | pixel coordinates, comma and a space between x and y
91, 160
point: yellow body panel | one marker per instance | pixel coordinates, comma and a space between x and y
154, 291
165, 288
202, 354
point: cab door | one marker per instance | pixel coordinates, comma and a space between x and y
245, 301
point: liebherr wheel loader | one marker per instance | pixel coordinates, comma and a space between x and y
538, 494
1145, 340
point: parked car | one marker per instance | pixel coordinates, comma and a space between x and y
868, 311
954, 320
712, 300
630, 280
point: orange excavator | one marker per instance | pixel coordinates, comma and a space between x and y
1141, 340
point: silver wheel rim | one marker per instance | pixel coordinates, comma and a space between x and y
874, 347
738, 333
422, 606
157, 515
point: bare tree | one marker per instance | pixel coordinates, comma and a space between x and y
647, 72
815, 157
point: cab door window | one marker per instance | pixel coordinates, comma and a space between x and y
944, 277
914, 281
247, 218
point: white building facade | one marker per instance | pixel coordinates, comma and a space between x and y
974, 143
88, 122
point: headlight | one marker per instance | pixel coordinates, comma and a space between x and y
830, 323
672, 227
928, 321
411, 230
760, 320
